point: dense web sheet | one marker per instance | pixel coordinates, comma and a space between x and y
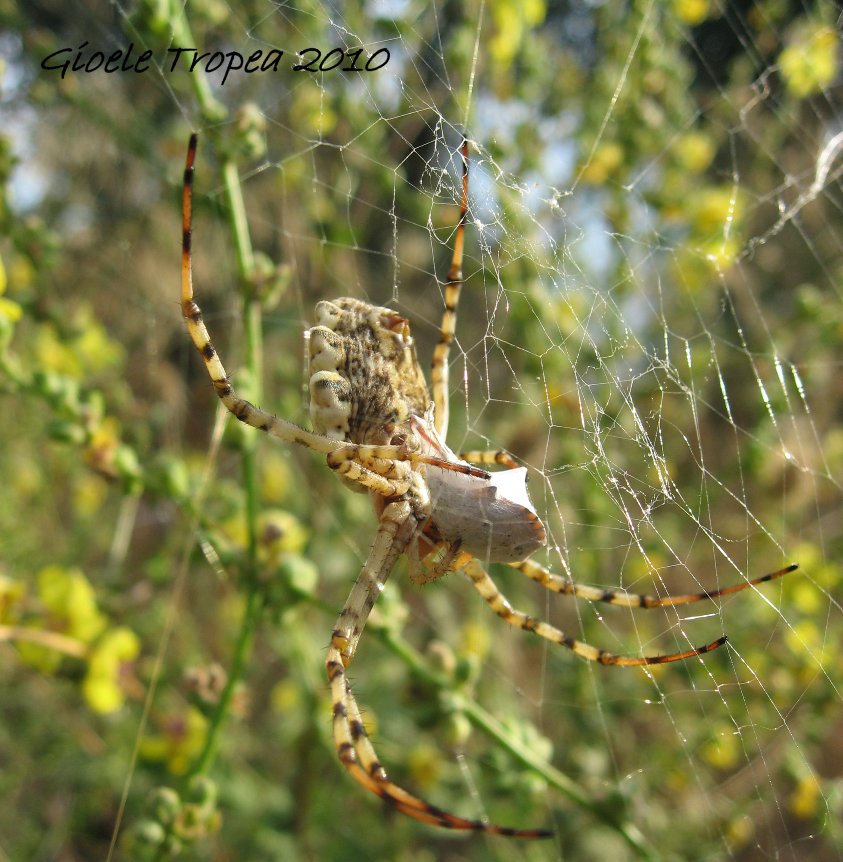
650, 323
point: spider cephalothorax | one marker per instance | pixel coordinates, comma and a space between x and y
374, 422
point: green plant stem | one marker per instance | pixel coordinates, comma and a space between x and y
210, 107
242, 650
253, 340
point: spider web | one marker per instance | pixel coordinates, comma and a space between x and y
650, 322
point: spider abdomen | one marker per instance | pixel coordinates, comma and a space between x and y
492, 519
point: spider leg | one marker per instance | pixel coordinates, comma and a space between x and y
397, 527
490, 457
388, 478
562, 585
242, 409
382, 458
439, 367
434, 565
501, 606
362, 763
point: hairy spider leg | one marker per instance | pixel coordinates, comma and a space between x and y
439, 367
490, 457
564, 586
397, 527
498, 602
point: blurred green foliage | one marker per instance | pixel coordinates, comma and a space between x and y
167, 587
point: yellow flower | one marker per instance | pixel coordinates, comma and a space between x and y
805, 799
96, 350
740, 830
69, 597
101, 685
275, 476
53, 355
807, 598
809, 63
179, 743
512, 21
475, 640
721, 254
714, 208
605, 162
11, 595
279, 533
809, 641
723, 751
10, 310
70, 609
102, 446
695, 151
89, 352
692, 12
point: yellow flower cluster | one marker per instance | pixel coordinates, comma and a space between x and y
809, 63
68, 622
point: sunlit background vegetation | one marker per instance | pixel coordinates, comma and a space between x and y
651, 322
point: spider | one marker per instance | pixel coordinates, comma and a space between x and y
381, 432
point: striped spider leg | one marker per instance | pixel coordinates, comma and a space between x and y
397, 528
453, 287
622, 598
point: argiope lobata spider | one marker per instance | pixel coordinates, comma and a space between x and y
375, 421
